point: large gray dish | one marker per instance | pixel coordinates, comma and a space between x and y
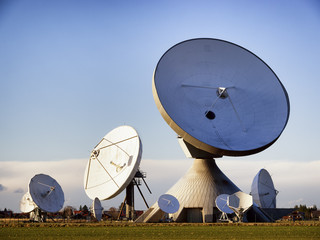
262, 190
46, 193
220, 97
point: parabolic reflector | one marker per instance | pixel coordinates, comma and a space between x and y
113, 163
26, 203
263, 191
168, 203
46, 193
239, 202
97, 209
220, 97
221, 203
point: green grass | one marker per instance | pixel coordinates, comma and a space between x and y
159, 231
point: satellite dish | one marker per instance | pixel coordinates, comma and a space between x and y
239, 202
97, 209
220, 97
168, 203
263, 191
46, 193
26, 203
221, 203
113, 163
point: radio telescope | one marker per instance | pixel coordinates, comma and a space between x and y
44, 195
239, 202
113, 165
262, 190
168, 203
26, 203
221, 100
220, 97
222, 204
97, 209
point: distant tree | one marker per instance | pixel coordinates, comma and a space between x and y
80, 208
85, 209
306, 210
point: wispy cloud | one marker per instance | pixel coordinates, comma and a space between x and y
68, 173
296, 181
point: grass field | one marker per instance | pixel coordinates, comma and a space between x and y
301, 230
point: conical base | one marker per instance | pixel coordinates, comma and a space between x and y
196, 192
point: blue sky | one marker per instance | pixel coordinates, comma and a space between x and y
71, 71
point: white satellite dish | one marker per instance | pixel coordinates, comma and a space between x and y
168, 203
26, 203
221, 203
97, 209
239, 202
263, 191
220, 97
46, 193
113, 163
